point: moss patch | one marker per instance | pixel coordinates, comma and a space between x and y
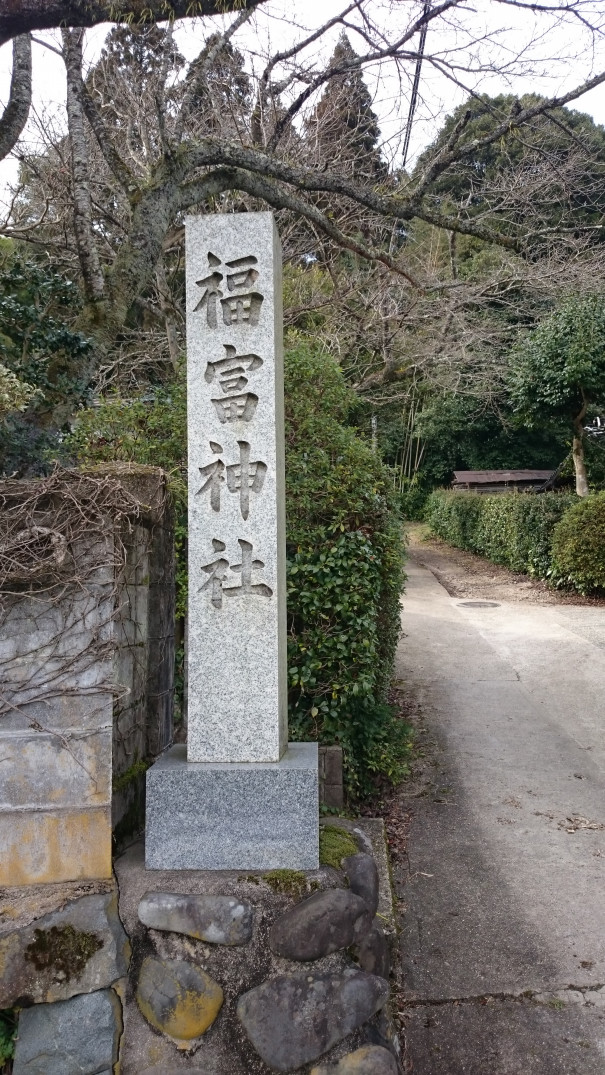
287, 882
130, 776
62, 949
335, 844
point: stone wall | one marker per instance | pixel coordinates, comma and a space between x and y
86, 666
207, 972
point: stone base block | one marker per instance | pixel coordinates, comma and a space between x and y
238, 816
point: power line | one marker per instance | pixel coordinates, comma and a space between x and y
416, 83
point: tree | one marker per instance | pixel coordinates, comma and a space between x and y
342, 132
43, 362
558, 372
128, 201
557, 160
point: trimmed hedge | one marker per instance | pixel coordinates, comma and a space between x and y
345, 575
514, 529
578, 546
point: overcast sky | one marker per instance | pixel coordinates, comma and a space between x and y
552, 62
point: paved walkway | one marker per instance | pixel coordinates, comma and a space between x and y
504, 928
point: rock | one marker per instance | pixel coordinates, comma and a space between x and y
80, 949
327, 921
178, 998
71, 1037
371, 1060
362, 874
292, 1020
215, 919
373, 953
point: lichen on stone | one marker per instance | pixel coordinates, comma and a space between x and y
63, 950
335, 844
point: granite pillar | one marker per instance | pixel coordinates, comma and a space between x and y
238, 766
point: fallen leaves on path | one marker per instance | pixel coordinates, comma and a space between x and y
576, 822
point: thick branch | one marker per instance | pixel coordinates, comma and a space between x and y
217, 152
113, 159
16, 112
259, 187
20, 16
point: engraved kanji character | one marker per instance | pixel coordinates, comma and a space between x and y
232, 408
216, 571
247, 566
212, 284
231, 370
239, 307
245, 476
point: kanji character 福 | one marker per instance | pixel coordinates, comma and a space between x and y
239, 307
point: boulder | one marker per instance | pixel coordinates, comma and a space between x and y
370, 1060
215, 919
178, 998
373, 952
294, 1019
79, 949
69, 1037
323, 923
362, 874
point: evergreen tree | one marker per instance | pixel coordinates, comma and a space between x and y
343, 130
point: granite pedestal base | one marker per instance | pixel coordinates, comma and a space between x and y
233, 816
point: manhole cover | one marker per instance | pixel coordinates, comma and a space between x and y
478, 604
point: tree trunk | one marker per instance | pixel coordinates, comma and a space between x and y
94, 284
577, 449
169, 319
16, 112
579, 463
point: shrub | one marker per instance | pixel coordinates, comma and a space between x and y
578, 546
514, 529
344, 555
345, 573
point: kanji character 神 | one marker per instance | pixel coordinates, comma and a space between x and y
242, 477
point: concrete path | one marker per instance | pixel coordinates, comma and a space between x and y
504, 924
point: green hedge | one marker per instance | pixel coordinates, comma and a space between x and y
578, 546
345, 575
344, 549
513, 529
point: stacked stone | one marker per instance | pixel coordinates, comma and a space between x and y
242, 981
65, 970
293, 1015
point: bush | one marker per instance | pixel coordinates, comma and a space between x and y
344, 550
578, 546
514, 529
345, 574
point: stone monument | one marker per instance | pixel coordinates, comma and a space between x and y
240, 797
